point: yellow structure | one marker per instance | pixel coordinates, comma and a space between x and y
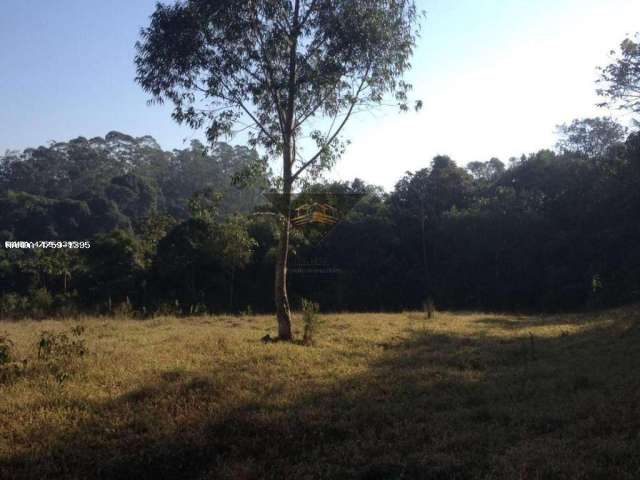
315, 213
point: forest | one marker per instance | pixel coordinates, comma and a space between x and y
208, 229
235, 309
189, 231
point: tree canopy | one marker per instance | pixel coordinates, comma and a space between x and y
590, 136
271, 67
621, 78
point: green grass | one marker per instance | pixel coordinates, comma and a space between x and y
378, 396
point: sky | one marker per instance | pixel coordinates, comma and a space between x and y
495, 76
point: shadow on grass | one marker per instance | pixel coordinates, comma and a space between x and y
431, 407
523, 322
518, 322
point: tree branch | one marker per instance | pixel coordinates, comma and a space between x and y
308, 13
309, 162
248, 112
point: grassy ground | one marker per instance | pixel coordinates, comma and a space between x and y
379, 396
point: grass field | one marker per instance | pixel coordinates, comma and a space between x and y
379, 396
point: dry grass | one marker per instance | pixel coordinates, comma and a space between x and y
379, 396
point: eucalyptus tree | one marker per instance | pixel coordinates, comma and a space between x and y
621, 78
288, 73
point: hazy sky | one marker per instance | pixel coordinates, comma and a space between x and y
495, 76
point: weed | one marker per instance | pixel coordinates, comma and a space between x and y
58, 352
10, 368
429, 308
532, 346
77, 331
6, 349
11, 371
223, 345
198, 309
310, 319
58, 345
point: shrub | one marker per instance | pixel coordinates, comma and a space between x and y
12, 305
40, 303
66, 304
429, 308
124, 309
6, 349
10, 368
168, 309
11, 371
58, 352
59, 346
198, 309
310, 319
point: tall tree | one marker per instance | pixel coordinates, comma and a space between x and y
621, 78
274, 68
590, 136
425, 196
486, 171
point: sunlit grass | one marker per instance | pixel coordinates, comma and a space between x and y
385, 396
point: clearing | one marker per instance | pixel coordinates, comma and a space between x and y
379, 396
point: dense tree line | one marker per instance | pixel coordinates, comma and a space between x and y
193, 230
189, 231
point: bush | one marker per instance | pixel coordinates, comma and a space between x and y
198, 309
65, 305
11, 371
168, 309
310, 319
6, 349
429, 308
124, 309
56, 346
40, 303
13, 306
10, 368
58, 352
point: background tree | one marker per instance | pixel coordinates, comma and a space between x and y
196, 262
590, 136
486, 171
621, 78
423, 197
114, 270
538, 235
272, 67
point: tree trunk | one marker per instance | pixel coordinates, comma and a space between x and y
428, 299
425, 261
289, 154
233, 274
283, 312
282, 301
